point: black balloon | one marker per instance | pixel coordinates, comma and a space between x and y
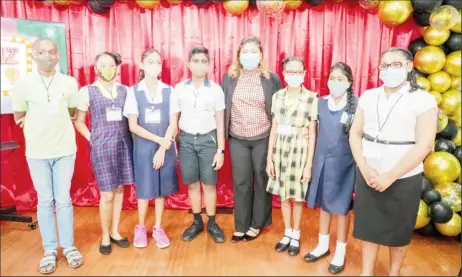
418, 73
253, 3
456, 3
440, 212
431, 196
106, 3
450, 132
426, 185
416, 45
314, 2
421, 19
96, 7
421, 6
454, 42
445, 145
429, 230
201, 3
444, 48
458, 153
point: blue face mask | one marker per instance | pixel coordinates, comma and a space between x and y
337, 88
294, 81
393, 77
249, 60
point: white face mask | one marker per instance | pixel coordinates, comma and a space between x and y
249, 60
393, 77
152, 70
294, 80
337, 88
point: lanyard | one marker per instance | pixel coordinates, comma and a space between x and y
196, 95
47, 87
152, 96
386, 118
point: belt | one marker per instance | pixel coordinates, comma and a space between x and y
371, 138
199, 134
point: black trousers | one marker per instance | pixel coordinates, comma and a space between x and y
252, 203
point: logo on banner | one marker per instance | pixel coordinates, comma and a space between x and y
16, 60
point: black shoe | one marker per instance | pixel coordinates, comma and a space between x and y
105, 249
310, 258
334, 269
249, 238
235, 238
215, 231
123, 242
192, 231
294, 250
281, 247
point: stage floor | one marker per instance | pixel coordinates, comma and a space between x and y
21, 251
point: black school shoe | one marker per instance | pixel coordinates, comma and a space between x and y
192, 231
215, 231
294, 250
123, 242
105, 249
334, 269
281, 247
310, 258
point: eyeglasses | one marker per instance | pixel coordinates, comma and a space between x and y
106, 66
298, 73
394, 65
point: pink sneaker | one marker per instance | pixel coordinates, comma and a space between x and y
141, 238
161, 238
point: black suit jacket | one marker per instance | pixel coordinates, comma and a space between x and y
270, 86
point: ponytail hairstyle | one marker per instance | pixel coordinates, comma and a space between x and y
351, 105
292, 59
145, 54
411, 76
115, 56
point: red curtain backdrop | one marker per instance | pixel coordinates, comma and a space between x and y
321, 36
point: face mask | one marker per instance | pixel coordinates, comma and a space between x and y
107, 74
294, 80
199, 70
393, 77
249, 60
337, 88
152, 70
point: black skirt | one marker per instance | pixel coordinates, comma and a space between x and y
387, 218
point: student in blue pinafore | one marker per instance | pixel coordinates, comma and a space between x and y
334, 169
152, 112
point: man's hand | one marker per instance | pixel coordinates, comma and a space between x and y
218, 160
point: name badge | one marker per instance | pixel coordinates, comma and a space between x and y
152, 116
113, 114
344, 118
284, 129
52, 108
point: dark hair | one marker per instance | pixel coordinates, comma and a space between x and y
115, 56
411, 77
350, 107
40, 39
292, 59
145, 54
199, 50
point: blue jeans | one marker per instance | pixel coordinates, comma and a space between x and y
52, 181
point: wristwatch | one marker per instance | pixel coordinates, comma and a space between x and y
220, 151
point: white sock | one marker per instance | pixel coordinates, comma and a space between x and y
322, 247
287, 235
296, 237
339, 257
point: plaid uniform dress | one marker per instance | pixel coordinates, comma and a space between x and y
110, 142
291, 151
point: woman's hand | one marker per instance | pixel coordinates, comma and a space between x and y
370, 175
306, 176
270, 169
158, 160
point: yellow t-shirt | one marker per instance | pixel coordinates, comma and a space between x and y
48, 128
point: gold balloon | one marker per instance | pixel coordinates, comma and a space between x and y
293, 4
369, 4
456, 119
455, 84
452, 65
450, 102
450, 194
174, 2
148, 4
456, 140
236, 7
450, 228
444, 17
429, 59
395, 12
63, 2
457, 27
437, 96
440, 81
424, 83
441, 167
423, 218
422, 30
271, 8
435, 37
442, 121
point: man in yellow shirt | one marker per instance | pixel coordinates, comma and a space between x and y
43, 104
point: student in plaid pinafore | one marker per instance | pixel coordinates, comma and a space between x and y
290, 152
110, 144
